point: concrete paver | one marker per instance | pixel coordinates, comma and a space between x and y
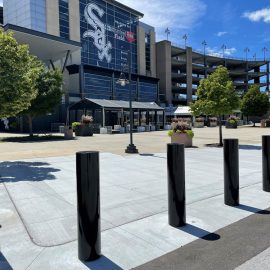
133, 207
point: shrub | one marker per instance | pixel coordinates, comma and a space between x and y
75, 124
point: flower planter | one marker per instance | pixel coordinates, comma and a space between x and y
198, 124
181, 138
212, 124
83, 130
68, 132
231, 125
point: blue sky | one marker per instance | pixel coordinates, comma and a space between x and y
238, 24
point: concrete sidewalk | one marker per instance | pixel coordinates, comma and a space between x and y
38, 208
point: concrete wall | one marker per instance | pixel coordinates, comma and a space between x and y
189, 74
52, 16
141, 51
74, 20
164, 73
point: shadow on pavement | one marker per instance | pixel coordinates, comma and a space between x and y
253, 209
198, 232
4, 265
249, 147
102, 263
26, 171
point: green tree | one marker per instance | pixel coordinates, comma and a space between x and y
18, 73
49, 93
216, 96
255, 103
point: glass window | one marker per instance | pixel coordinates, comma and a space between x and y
64, 18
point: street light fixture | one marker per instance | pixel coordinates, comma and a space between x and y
204, 45
265, 50
223, 47
246, 50
168, 32
185, 37
131, 148
204, 58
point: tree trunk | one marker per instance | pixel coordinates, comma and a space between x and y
220, 132
254, 124
30, 125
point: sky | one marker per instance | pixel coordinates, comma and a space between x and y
237, 24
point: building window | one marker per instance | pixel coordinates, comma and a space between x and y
147, 52
64, 18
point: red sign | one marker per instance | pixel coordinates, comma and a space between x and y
130, 37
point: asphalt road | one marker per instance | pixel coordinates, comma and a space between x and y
226, 249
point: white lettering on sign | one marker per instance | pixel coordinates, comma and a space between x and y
98, 35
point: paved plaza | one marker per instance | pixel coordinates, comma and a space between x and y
38, 207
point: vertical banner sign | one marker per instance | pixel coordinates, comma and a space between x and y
107, 33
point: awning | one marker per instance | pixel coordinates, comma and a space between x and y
89, 104
183, 110
46, 47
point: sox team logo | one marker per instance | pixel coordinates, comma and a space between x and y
98, 34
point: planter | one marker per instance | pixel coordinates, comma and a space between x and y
212, 124
84, 130
181, 138
230, 125
68, 132
198, 124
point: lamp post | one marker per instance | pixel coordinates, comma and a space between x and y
265, 50
223, 47
246, 50
168, 32
131, 148
185, 37
204, 58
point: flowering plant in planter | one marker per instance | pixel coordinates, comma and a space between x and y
180, 126
232, 122
86, 119
83, 128
212, 119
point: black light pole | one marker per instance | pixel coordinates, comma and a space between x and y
131, 148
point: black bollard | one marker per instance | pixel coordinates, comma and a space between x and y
231, 172
266, 162
88, 207
176, 184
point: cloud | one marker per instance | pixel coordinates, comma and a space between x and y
258, 15
1, 3
215, 51
177, 15
220, 34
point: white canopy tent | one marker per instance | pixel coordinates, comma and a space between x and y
183, 110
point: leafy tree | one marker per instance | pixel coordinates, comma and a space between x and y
18, 73
255, 103
49, 87
216, 96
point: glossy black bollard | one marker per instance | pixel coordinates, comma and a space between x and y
176, 184
88, 207
266, 162
231, 172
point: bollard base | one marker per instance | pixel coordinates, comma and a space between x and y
181, 223
92, 257
131, 149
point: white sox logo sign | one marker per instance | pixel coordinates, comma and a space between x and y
98, 34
